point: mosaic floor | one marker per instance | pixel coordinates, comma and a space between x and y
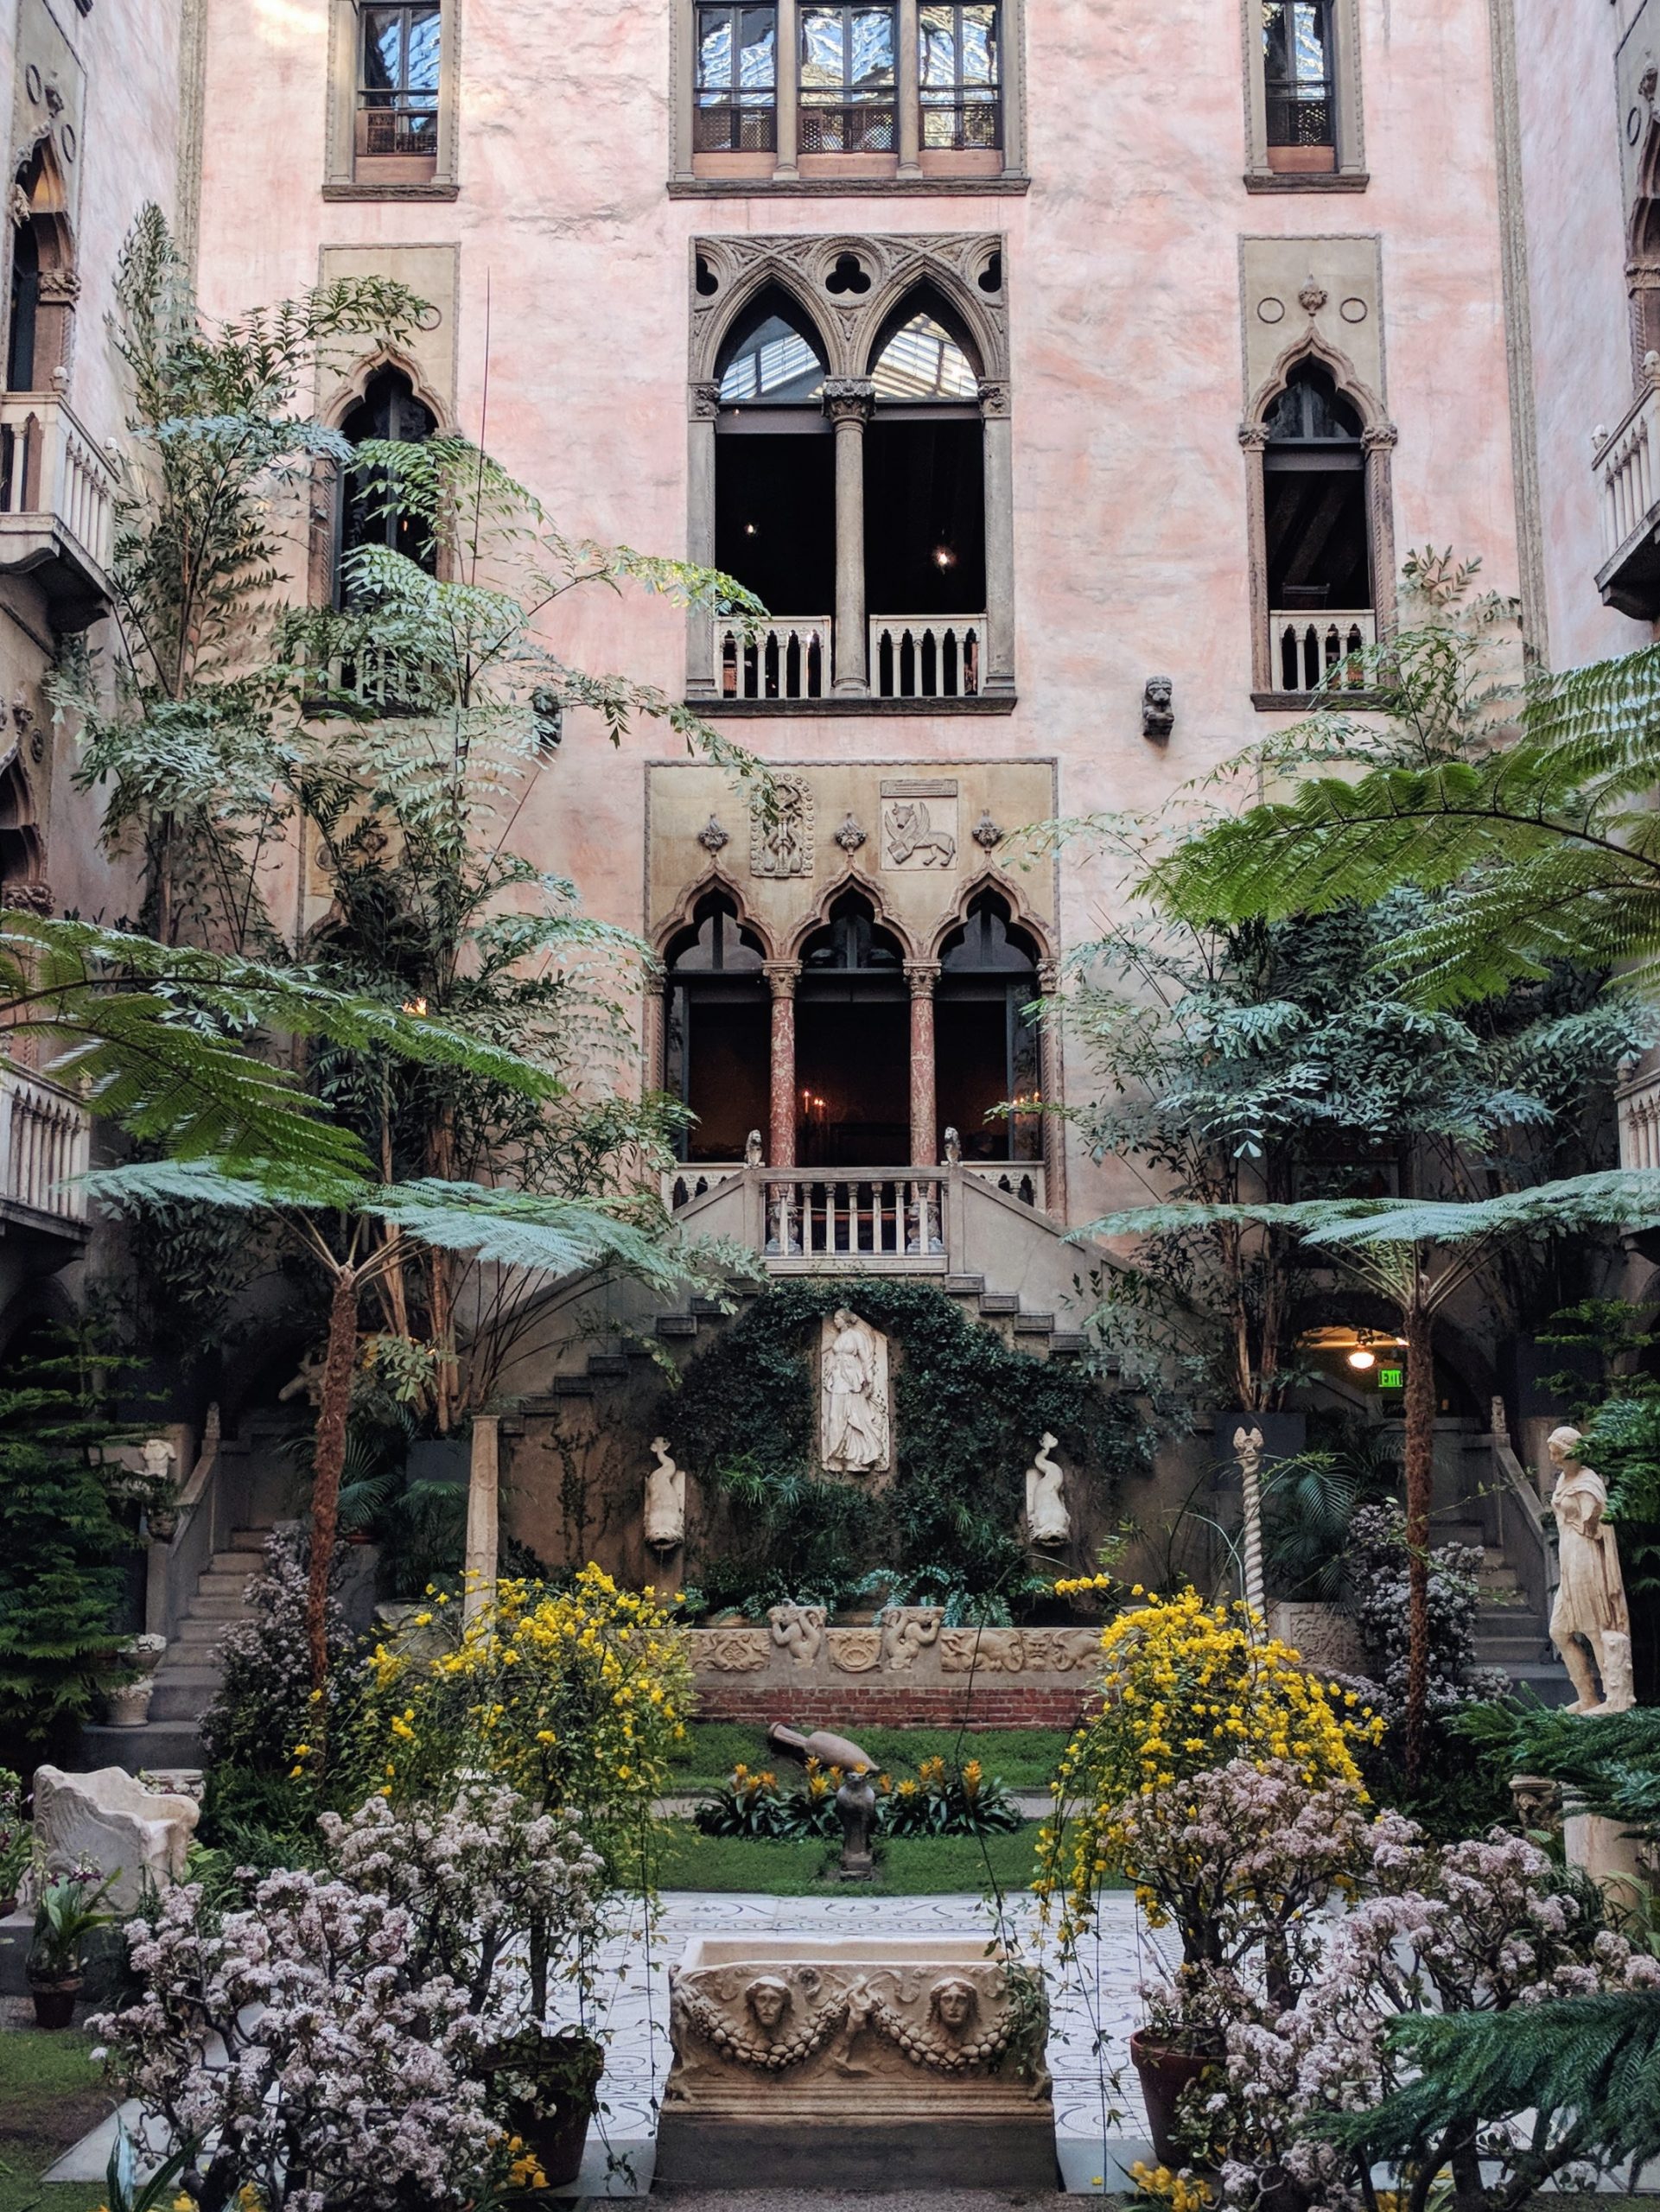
1100, 2127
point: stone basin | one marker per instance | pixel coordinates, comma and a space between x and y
865, 2062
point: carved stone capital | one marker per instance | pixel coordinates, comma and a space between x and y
781, 977
849, 399
1381, 438
1253, 436
60, 287
922, 976
994, 398
703, 401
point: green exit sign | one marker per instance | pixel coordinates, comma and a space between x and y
1391, 1378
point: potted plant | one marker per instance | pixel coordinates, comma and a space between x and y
547, 2088
126, 1704
70, 1910
17, 1839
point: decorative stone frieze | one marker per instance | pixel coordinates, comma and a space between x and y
907, 1630
732, 1650
856, 1650
798, 1630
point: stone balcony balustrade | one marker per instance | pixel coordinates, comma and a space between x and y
57, 505
1308, 646
45, 1148
1627, 463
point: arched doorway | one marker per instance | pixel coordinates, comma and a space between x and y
853, 1043
987, 1054
716, 1031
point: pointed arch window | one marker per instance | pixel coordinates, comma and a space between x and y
987, 1051
389, 412
853, 1043
42, 279
717, 1011
1321, 526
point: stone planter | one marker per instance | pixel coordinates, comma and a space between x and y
1165, 2070
126, 1705
54, 1999
163, 1525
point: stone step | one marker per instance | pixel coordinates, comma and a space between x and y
607, 1362
1549, 1684
707, 1309
1069, 1340
195, 1631
677, 1325
1508, 1652
185, 1694
223, 1582
158, 1743
1032, 1325
1497, 1577
216, 1607
964, 1286
998, 1302
248, 1539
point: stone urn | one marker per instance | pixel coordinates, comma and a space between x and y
126, 1705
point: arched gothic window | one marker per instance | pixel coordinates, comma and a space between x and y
42, 279
715, 1055
853, 1041
1320, 510
389, 412
987, 1050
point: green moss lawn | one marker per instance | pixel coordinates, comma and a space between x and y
1023, 1758
50, 2094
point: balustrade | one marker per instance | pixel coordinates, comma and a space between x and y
772, 660
1638, 1108
45, 1146
852, 1212
57, 503
925, 656
1628, 466
1309, 649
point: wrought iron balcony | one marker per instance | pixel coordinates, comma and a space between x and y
57, 505
1627, 463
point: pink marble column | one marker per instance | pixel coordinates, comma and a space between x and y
923, 975
780, 1148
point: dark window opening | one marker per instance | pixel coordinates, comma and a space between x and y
397, 83
1314, 500
717, 1040
924, 518
775, 464
1298, 78
389, 411
25, 302
847, 81
960, 73
986, 1051
735, 106
853, 1044
852, 942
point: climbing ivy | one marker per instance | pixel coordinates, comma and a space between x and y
969, 1413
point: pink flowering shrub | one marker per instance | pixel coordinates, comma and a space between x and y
328, 2042
1482, 1924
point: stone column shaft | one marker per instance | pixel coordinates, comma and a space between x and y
908, 134
780, 1148
703, 406
483, 1518
998, 435
848, 402
787, 67
923, 975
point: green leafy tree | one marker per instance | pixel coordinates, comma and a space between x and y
62, 1539
1528, 806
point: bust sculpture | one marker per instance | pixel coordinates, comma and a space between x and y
665, 1501
1590, 1624
1047, 1520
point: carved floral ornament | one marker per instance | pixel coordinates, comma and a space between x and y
965, 268
906, 1636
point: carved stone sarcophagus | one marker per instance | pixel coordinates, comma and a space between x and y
856, 2063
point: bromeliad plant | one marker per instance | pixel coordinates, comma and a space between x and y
574, 1698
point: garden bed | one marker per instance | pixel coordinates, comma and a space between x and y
909, 1865
50, 2094
1024, 1758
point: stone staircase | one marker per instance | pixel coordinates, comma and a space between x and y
1512, 1634
190, 1672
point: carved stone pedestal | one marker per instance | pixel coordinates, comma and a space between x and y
857, 2062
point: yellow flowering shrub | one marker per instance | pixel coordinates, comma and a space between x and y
574, 1697
1187, 1687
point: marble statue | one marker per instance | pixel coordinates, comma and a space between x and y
853, 1423
755, 1153
798, 1630
952, 1144
665, 1501
158, 1457
1047, 1520
1590, 1624
828, 1749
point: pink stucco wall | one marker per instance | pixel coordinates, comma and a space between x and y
1569, 123
1123, 269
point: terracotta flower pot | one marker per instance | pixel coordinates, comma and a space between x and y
1165, 2070
55, 2000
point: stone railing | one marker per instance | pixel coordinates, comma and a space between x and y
1638, 1106
57, 505
925, 656
1627, 464
1020, 1179
1306, 649
773, 660
884, 1214
45, 1146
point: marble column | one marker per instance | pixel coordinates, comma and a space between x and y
483, 1520
1053, 1127
780, 1148
998, 432
907, 135
923, 975
703, 406
849, 402
787, 66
